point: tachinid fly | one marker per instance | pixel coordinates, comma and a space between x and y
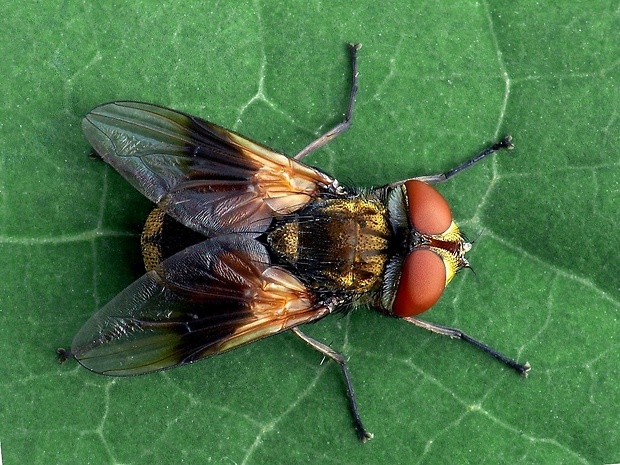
245, 242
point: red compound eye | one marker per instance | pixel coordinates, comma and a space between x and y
428, 210
422, 280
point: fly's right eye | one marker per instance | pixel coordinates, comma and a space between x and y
422, 280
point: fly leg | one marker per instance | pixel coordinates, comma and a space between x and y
504, 144
457, 333
344, 125
327, 351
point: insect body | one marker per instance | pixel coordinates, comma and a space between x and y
245, 243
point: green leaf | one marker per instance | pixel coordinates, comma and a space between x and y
439, 81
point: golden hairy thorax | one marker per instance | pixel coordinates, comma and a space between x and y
337, 244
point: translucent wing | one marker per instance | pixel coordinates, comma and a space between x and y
208, 178
207, 299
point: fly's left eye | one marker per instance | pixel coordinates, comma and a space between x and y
422, 280
428, 210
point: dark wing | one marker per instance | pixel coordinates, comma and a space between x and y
205, 300
208, 178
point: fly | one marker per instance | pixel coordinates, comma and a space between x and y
245, 243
